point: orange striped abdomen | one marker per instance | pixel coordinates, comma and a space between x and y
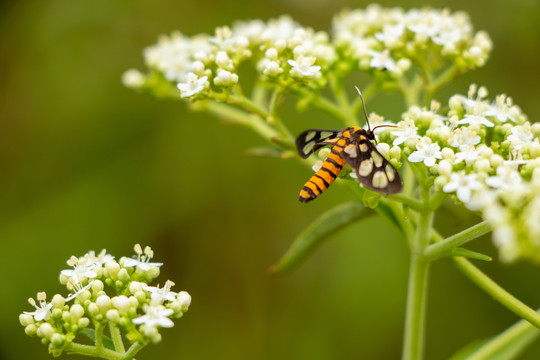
325, 176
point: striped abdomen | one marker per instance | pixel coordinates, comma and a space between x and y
326, 175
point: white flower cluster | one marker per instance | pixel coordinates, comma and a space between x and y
488, 155
279, 47
392, 39
106, 291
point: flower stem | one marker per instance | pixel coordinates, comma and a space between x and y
496, 291
415, 312
417, 288
444, 247
116, 338
89, 350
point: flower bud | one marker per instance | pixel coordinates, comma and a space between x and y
26, 319
76, 311
185, 300
103, 302
45, 330
113, 315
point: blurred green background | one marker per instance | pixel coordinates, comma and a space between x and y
88, 164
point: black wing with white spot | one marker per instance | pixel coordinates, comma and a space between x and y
371, 168
311, 140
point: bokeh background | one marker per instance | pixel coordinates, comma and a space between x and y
88, 164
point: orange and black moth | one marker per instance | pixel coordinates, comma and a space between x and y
351, 146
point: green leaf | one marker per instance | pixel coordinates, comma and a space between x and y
319, 231
470, 254
508, 345
107, 341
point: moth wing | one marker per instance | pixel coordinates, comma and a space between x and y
313, 139
371, 168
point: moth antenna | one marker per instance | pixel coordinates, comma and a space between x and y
386, 125
363, 107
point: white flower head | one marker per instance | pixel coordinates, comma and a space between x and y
463, 138
469, 154
192, 85
303, 66
382, 60
475, 120
77, 288
406, 131
507, 177
161, 294
142, 261
43, 311
426, 153
520, 135
156, 315
464, 185
81, 271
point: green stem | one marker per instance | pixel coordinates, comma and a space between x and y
117, 338
496, 291
444, 247
99, 336
515, 339
417, 288
89, 350
415, 312
408, 201
240, 117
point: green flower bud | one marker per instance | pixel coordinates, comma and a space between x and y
58, 301
76, 311
113, 315
26, 319
45, 330
83, 322
30, 330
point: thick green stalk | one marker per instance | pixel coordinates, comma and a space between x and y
417, 290
415, 312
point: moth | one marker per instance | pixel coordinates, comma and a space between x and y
352, 146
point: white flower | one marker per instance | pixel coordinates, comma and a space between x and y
463, 185
507, 177
192, 85
463, 138
469, 154
447, 38
78, 288
391, 34
161, 294
81, 270
99, 259
303, 66
475, 120
43, 311
502, 114
382, 60
142, 261
520, 135
156, 315
404, 133
428, 153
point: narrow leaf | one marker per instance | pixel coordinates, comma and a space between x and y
508, 345
320, 230
470, 254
